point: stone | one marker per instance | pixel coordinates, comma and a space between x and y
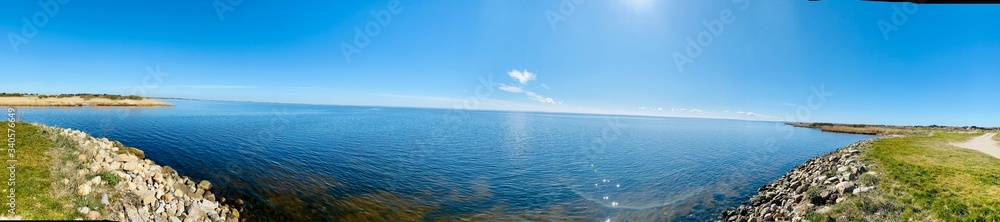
199, 194
132, 214
194, 213
168, 197
83, 210
210, 196
131, 166
83, 158
127, 158
845, 187
861, 190
173, 219
83, 190
148, 197
114, 166
841, 170
96, 180
104, 199
204, 184
93, 215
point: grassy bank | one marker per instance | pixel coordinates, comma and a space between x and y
866, 129
38, 195
77, 100
924, 178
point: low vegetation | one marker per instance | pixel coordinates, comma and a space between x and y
80, 99
923, 178
886, 130
81, 95
36, 195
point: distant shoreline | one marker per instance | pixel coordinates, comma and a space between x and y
74, 101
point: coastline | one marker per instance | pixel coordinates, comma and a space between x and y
36, 101
810, 187
102, 179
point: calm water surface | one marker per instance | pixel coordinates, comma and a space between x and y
319, 163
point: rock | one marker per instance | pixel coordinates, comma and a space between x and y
83, 190
168, 197
204, 184
125, 158
83, 158
194, 214
65, 181
131, 166
148, 197
96, 180
83, 210
210, 196
114, 166
173, 219
845, 187
104, 199
93, 215
199, 194
861, 190
841, 170
132, 214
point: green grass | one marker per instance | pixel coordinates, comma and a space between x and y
925, 178
111, 178
34, 180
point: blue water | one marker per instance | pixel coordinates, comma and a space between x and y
311, 162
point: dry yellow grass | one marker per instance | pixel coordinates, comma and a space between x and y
77, 101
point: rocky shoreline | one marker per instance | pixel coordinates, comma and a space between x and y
131, 188
811, 186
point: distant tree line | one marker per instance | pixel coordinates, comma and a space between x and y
81, 95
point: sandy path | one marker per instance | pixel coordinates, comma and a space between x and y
984, 143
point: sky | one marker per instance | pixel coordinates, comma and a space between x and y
803, 61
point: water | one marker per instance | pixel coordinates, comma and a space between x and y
316, 163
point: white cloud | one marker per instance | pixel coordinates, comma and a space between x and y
521, 76
524, 77
697, 111
545, 86
676, 109
513, 89
539, 98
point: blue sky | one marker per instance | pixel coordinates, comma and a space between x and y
832, 61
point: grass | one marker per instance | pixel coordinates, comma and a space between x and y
34, 181
925, 178
111, 178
